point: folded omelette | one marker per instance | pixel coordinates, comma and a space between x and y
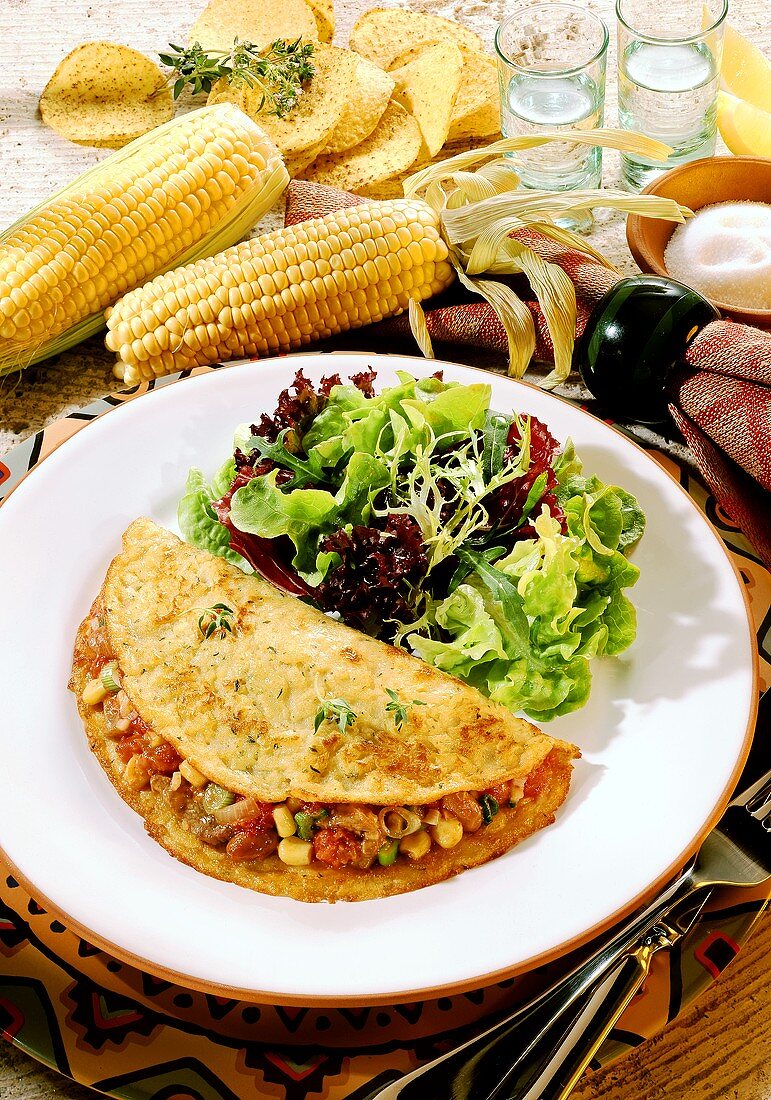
267, 744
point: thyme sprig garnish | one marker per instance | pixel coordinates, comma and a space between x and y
216, 620
399, 710
335, 710
278, 72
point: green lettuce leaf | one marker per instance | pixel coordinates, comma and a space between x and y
393, 423
197, 519
260, 508
525, 630
304, 515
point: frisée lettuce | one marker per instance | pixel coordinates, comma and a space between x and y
471, 538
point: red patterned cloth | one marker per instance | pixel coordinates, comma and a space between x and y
721, 397
721, 402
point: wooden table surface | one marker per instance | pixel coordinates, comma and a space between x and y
721, 1046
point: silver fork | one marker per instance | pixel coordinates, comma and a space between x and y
736, 853
540, 1051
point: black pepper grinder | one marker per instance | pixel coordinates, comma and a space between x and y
634, 337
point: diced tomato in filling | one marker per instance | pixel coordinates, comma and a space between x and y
132, 745
336, 847
541, 777
501, 792
313, 808
138, 725
163, 758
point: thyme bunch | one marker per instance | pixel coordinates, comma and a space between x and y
278, 72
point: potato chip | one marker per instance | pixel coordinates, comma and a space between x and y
105, 95
392, 147
297, 164
324, 14
393, 188
368, 97
427, 87
477, 110
317, 111
414, 51
261, 22
383, 34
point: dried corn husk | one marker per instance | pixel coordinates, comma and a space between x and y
480, 202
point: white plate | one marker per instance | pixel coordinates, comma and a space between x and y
662, 737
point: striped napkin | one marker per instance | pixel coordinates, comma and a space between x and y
720, 397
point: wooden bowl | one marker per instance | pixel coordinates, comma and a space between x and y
701, 183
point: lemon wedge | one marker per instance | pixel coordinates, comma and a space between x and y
745, 71
745, 128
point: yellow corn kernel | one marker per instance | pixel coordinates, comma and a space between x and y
416, 845
137, 774
285, 822
448, 832
94, 692
167, 198
296, 285
192, 775
295, 852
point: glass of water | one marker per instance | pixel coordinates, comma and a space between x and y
668, 77
551, 67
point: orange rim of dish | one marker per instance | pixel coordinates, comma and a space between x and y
255, 996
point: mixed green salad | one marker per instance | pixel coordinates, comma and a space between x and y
469, 537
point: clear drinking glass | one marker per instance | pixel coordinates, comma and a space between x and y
668, 77
551, 67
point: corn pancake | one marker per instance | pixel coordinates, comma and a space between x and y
239, 708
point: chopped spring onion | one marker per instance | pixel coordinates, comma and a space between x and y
109, 678
387, 853
217, 798
397, 822
306, 822
489, 807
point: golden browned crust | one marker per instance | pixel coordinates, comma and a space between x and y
312, 884
241, 705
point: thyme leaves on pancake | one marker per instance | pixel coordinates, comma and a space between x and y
337, 711
278, 72
216, 620
399, 710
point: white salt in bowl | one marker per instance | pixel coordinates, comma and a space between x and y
698, 184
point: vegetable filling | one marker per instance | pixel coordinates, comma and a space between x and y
299, 832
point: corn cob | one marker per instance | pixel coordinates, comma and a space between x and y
282, 290
185, 190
